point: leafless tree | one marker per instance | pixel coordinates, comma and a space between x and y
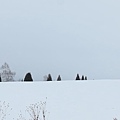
45, 78
115, 119
4, 110
6, 74
35, 111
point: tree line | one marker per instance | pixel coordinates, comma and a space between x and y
6, 75
28, 77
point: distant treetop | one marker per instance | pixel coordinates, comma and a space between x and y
28, 77
49, 78
59, 78
77, 77
6, 74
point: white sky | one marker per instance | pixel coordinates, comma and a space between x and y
63, 37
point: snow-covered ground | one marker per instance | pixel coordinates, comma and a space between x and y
66, 100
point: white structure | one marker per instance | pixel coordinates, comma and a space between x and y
6, 74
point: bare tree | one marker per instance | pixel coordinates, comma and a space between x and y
6, 74
35, 111
45, 78
115, 119
4, 109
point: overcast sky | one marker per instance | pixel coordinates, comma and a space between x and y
63, 37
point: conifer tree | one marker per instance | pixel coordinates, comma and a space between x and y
77, 77
28, 77
59, 78
0, 79
85, 77
49, 78
82, 77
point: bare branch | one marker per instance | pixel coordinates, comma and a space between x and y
4, 109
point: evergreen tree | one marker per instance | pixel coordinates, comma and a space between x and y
85, 77
0, 79
77, 77
28, 77
59, 78
82, 77
49, 78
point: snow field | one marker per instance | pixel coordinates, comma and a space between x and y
66, 100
